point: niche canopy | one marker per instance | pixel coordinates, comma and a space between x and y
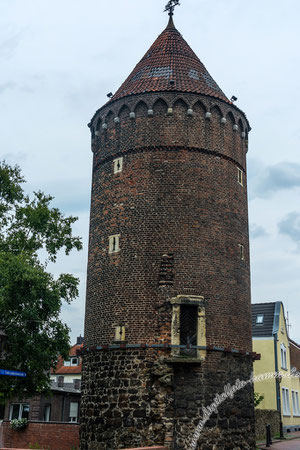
170, 65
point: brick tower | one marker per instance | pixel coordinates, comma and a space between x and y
168, 288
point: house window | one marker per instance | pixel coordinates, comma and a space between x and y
67, 362
242, 251
47, 412
2, 410
74, 361
118, 165
19, 411
283, 356
114, 243
188, 328
240, 177
295, 400
259, 318
285, 402
73, 412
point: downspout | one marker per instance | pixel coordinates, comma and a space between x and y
276, 379
63, 409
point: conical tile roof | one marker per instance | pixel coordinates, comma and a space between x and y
170, 65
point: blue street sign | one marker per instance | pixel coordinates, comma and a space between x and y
13, 373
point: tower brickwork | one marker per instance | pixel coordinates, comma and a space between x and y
168, 287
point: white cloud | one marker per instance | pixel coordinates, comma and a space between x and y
290, 226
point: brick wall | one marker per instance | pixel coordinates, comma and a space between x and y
295, 355
178, 195
52, 436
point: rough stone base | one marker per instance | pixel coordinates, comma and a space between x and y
137, 399
265, 417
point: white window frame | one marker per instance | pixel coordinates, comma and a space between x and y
74, 358
21, 408
240, 177
67, 362
47, 412
295, 401
74, 417
283, 355
118, 165
285, 402
114, 243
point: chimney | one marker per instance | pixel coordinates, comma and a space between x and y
79, 340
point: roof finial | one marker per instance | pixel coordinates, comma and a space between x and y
171, 6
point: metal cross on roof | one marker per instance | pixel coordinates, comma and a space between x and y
171, 6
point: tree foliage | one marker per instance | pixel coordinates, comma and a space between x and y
30, 297
258, 398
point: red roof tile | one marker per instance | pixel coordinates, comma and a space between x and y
61, 369
170, 58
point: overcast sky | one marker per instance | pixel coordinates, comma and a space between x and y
59, 59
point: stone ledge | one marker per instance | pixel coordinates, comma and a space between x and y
183, 360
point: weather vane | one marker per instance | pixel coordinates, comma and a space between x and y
171, 6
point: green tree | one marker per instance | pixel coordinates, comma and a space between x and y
31, 235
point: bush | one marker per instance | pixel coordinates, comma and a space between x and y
18, 424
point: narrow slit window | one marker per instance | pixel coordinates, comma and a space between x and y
114, 243
120, 333
242, 251
188, 329
118, 165
240, 177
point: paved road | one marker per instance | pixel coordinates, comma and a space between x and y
287, 445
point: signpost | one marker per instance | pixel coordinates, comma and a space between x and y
13, 373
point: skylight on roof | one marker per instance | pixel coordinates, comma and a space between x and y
259, 318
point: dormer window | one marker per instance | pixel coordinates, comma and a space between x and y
74, 361
259, 319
